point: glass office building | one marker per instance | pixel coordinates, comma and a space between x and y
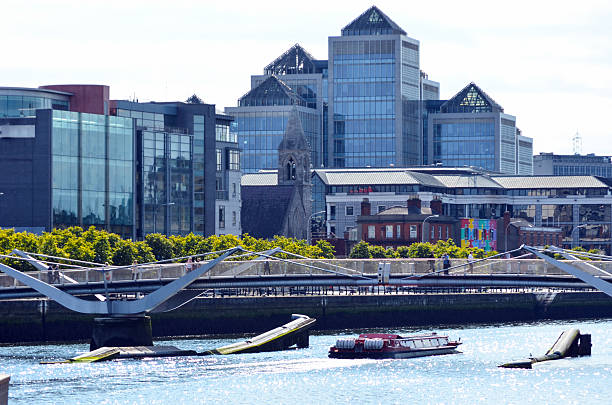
92, 171
471, 129
17, 102
260, 120
374, 89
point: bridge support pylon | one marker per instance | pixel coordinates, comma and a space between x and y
121, 331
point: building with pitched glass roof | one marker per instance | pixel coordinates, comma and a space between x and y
294, 79
374, 93
471, 129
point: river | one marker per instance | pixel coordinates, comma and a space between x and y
307, 376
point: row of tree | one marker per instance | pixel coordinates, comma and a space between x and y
98, 246
364, 250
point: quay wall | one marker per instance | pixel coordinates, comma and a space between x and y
41, 320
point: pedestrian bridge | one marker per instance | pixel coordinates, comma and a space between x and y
270, 272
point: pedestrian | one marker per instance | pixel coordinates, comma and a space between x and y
50, 274
56, 274
446, 263
189, 265
107, 273
135, 270
471, 262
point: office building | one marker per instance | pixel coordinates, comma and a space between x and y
63, 163
471, 129
293, 80
70, 156
572, 165
374, 94
579, 207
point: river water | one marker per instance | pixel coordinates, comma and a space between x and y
307, 376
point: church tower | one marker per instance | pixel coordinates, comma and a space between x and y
294, 171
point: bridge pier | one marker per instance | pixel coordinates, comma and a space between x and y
121, 331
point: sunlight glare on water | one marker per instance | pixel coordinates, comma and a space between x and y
308, 376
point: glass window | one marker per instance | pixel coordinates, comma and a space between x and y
398, 231
413, 231
389, 231
371, 232
221, 217
219, 162
349, 210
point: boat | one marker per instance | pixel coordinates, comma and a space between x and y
389, 346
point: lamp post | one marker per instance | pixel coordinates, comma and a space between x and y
572, 233
155, 215
423, 226
506, 234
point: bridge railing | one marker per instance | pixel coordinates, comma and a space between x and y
308, 267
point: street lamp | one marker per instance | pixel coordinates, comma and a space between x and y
572, 233
155, 215
423, 226
506, 234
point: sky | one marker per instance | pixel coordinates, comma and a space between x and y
549, 63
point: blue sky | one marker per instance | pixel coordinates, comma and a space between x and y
549, 63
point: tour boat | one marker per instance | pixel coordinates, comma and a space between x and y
388, 346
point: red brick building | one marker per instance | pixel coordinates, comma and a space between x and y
404, 225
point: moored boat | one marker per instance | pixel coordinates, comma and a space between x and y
389, 346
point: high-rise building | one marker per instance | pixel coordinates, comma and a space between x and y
374, 94
471, 129
294, 79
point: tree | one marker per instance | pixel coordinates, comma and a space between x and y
125, 254
102, 249
161, 246
194, 99
360, 251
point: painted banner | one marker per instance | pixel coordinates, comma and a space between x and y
479, 233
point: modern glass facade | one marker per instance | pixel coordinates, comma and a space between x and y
21, 106
465, 142
375, 94
199, 196
260, 133
167, 182
364, 102
92, 171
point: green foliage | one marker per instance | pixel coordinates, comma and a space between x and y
377, 252
161, 246
360, 251
125, 254
99, 246
420, 250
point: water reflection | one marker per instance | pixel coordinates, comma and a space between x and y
307, 375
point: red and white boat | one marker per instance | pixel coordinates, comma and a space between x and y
388, 346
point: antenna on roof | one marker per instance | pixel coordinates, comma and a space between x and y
577, 144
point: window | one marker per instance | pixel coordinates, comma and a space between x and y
233, 159
219, 165
440, 231
398, 231
233, 189
413, 231
349, 210
389, 231
332, 212
381, 208
371, 232
447, 232
233, 218
433, 232
221, 217
332, 230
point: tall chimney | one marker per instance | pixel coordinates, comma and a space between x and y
366, 207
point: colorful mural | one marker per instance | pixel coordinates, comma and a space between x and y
480, 233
